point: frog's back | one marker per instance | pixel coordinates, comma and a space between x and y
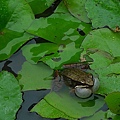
78, 75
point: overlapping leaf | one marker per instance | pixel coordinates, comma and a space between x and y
35, 52
60, 27
77, 9
102, 46
49, 111
16, 16
67, 106
48, 53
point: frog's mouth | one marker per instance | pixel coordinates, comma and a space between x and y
73, 84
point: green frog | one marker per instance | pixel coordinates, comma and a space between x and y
82, 82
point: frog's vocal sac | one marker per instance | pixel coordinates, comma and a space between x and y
83, 83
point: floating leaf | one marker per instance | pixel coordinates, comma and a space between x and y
77, 9
49, 111
34, 77
16, 16
10, 96
71, 106
12, 41
34, 52
104, 13
60, 28
51, 54
101, 45
69, 54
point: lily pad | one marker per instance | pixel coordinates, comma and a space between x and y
71, 106
49, 111
16, 16
34, 52
69, 54
10, 96
101, 46
104, 13
62, 29
34, 77
77, 9
11, 42
51, 54
59, 28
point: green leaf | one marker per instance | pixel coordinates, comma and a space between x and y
34, 77
104, 13
112, 115
11, 42
69, 54
39, 6
71, 106
77, 9
10, 96
104, 115
113, 102
49, 111
101, 45
48, 53
100, 115
59, 28
103, 39
16, 16
34, 52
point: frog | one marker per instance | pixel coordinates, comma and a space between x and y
75, 76
83, 83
